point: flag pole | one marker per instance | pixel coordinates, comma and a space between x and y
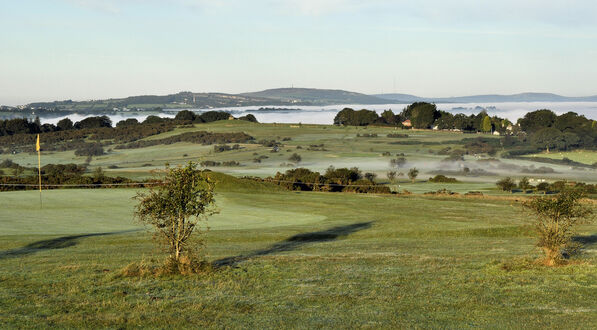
37, 147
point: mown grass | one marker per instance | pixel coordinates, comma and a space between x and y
305, 260
588, 157
341, 148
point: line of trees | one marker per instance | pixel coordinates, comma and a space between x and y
423, 115
334, 180
26, 126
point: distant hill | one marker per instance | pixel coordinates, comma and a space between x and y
317, 96
172, 101
281, 97
493, 98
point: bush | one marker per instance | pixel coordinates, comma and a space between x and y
295, 158
211, 116
506, 184
555, 222
398, 162
225, 147
397, 135
249, 117
442, 179
207, 163
412, 174
185, 115
94, 122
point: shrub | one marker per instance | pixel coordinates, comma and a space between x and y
185, 115
175, 209
391, 175
398, 162
506, 184
207, 163
413, 173
555, 222
370, 176
295, 158
397, 135
442, 179
249, 117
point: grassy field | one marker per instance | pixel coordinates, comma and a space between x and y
307, 260
341, 148
588, 157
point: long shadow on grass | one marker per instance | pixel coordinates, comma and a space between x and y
295, 242
586, 240
52, 244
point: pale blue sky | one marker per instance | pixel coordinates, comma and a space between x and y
85, 49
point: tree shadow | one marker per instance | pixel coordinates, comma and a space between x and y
52, 244
295, 242
586, 240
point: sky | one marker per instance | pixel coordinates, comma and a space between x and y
92, 49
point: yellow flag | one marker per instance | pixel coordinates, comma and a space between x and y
37, 147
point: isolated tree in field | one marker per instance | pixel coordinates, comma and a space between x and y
175, 210
506, 184
556, 218
391, 175
295, 158
486, 125
412, 174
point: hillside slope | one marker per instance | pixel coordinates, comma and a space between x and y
317, 96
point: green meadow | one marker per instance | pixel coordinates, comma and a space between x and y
290, 259
285, 259
319, 147
582, 156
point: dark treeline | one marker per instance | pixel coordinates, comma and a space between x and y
546, 131
424, 115
66, 135
334, 180
59, 174
201, 137
524, 185
540, 130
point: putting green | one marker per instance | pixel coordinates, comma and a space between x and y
84, 211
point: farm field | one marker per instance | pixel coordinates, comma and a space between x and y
302, 258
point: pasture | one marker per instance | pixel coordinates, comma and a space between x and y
290, 259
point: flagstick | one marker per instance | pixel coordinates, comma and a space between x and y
39, 168
39, 172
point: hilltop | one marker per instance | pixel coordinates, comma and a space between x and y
278, 97
317, 96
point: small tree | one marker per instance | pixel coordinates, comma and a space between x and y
295, 158
175, 210
543, 186
412, 174
391, 175
486, 124
525, 184
370, 176
556, 218
506, 184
